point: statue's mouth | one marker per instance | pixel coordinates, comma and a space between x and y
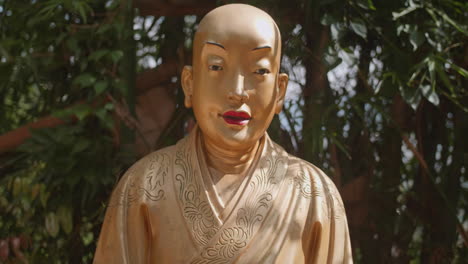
240, 118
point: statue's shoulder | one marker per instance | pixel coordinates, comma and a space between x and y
308, 173
145, 180
155, 160
312, 182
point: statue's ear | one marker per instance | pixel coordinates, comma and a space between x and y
282, 85
187, 85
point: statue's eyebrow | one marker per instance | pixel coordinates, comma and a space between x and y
216, 44
262, 47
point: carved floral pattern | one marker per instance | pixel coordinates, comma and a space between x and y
152, 185
200, 215
260, 195
196, 210
231, 240
154, 179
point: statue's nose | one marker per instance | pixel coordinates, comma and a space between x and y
238, 94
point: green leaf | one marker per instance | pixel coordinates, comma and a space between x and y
109, 106
340, 145
366, 4
371, 5
413, 98
65, 218
347, 57
104, 28
459, 69
63, 114
120, 86
432, 74
51, 224
332, 62
359, 27
105, 118
87, 238
80, 145
100, 87
328, 19
81, 111
43, 196
17, 186
72, 44
443, 76
397, 15
450, 21
112, 4
84, 80
115, 55
82, 11
96, 55
416, 39
430, 94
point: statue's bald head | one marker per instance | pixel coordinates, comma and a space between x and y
236, 63
237, 24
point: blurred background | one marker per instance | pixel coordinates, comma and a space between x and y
378, 99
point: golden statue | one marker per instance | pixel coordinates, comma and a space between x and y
226, 193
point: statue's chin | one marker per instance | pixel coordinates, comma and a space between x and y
233, 139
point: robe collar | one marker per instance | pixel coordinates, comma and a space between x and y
220, 235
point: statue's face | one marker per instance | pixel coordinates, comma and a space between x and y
234, 86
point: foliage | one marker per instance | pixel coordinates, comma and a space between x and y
60, 58
377, 99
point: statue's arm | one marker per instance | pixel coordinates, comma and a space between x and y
339, 228
123, 237
327, 239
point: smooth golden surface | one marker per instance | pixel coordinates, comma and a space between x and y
227, 193
235, 67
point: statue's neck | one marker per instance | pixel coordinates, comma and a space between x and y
228, 161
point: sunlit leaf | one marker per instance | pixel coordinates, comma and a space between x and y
64, 215
451, 21
359, 27
327, 19
51, 224
416, 39
397, 15
459, 69
430, 94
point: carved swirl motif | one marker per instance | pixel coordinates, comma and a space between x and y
154, 179
249, 216
302, 182
311, 186
334, 196
196, 211
152, 185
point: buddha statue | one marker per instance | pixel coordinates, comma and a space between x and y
227, 193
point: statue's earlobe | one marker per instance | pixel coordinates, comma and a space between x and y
282, 86
187, 85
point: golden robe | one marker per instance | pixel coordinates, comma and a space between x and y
165, 210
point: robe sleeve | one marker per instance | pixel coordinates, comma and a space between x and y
124, 238
328, 234
340, 250
340, 236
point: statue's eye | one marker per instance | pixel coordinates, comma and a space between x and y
262, 71
215, 68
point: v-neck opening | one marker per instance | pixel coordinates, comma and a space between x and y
224, 212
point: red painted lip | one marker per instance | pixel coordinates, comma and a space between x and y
236, 117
